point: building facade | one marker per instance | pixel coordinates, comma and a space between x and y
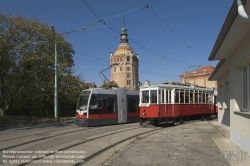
232, 49
125, 63
199, 77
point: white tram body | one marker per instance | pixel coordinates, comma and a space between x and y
99, 106
172, 101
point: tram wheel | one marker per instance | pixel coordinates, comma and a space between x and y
175, 123
181, 121
141, 124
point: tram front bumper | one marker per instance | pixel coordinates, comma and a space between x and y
81, 122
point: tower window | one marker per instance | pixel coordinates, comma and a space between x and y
117, 59
128, 68
120, 68
128, 82
114, 69
120, 59
128, 58
128, 75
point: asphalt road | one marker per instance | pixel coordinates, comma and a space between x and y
198, 143
192, 143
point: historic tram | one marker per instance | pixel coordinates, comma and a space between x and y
175, 102
99, 106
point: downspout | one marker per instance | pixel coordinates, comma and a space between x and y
242, 11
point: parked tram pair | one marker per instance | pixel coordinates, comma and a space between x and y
161, 103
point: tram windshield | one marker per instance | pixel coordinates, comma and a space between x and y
145, 96
83, 101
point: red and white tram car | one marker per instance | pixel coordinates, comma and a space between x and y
99, 106
175, 102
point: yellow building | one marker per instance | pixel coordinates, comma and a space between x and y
125, 64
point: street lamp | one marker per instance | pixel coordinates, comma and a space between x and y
55, 96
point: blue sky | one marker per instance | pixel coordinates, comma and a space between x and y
170, 36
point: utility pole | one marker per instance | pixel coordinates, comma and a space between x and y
55, 95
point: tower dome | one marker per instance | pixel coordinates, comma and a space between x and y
123, 46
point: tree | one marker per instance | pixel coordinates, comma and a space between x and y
27, 65
107, 85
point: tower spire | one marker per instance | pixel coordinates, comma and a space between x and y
124, 33
124, 21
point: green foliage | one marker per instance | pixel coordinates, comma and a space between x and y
107, 85
27, 50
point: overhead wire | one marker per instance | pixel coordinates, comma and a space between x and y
134, 40
189, 46
91, 56
157, 73
90, 61
87, 27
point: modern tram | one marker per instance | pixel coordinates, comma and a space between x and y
175, 102
99, 106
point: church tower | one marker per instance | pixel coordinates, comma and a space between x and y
125, 64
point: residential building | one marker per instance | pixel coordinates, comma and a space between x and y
232, 73
199, 77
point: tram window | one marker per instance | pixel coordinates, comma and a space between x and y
167, 93
133, 105
200, 96
191, 96
82, 103
182, 96
177, 96
145, 96
104, 102
153, 96
187, 96
94, 105
170, 97
161, 96
204, 97
196, 97
108, 104
207, 97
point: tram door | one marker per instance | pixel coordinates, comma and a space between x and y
161, 103
176, 107
122, 105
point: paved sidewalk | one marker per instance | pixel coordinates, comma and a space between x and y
232, 153
193, 143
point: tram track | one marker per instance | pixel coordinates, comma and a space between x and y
45, 137
92, 141
36, 140
79, 143
132, 138
48, 131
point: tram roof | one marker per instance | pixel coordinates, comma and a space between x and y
177, 86
111, 91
